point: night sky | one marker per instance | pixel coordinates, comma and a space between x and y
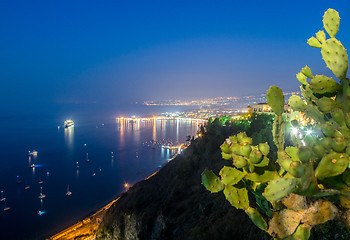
72, 52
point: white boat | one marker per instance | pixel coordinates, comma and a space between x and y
68, 193
32, 165
33, 153
68, 123
41, 195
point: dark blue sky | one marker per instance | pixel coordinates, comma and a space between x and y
127, 51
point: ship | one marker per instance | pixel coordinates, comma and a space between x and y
68, 123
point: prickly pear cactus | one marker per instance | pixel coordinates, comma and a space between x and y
291, 191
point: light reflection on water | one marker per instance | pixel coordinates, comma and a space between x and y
125, 151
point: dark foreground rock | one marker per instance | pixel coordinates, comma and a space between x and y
174, 205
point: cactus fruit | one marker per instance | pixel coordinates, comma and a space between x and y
307, 72
239, 161
230, 176
331, 21
275, 99
256, 218
264, 148
332, 164
245, 149
211, 182
297, 104
279, 188
226, 156
296, 169
255, 156
322, 84
263, 163
238, 197
225, 147
304, 154
338, 116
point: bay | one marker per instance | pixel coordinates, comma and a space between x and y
119, 152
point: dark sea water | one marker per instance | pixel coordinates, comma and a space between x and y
119, 151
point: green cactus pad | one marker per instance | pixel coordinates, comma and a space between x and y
302, 78
303, 232
304, 154
313, 112
231, 176
326, 105
307, 72
279, 188
293, 153
313, 42
266, 176
256, 218
331, 21
335, 57
241, 136
263, 162
233, 139
321, 36
297, 104
235, 148
239, 161
238, 197
332, 164
322, 84
211, 182
318, 150
338, 116
275, 99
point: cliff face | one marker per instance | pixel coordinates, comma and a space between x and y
174, 205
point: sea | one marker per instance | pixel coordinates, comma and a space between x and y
93, 160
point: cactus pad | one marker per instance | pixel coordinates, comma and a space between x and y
307, 72
211, 182
231, 176
238, 197
279, 188
275, 99
322, 84
319, 212
332, 164
331, 21
302, 78
297, 104
326, 105
256, 218
321, 36
284, 223
313, 42
225, 147
266, 176
239, 161
264, 148
335, 57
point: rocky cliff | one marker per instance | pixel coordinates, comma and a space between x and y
174, 205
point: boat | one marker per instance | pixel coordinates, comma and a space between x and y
41, 195
19, 181
33, 153
27, 187
40, 181
6, 208
2, 197
68, 193
32, 165
68, 123
87, 158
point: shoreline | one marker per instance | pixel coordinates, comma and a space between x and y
86, 229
